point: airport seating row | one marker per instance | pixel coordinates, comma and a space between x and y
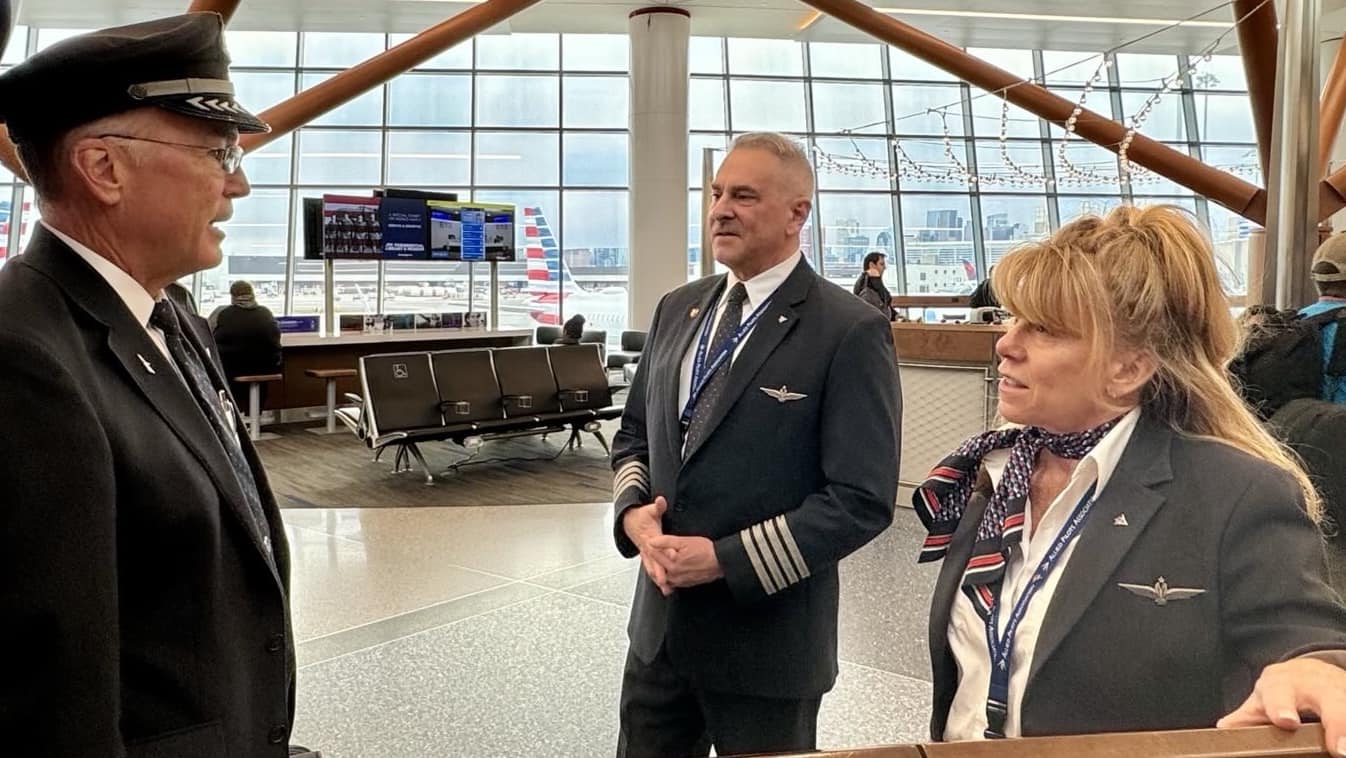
472, 396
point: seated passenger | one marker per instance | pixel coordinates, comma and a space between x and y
248, 338
1135, 552
571, 331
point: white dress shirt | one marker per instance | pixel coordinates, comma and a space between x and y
139, 302
759, 288
967, 632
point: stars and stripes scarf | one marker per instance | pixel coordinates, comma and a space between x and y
942, 499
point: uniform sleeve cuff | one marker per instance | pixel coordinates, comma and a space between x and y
761, 560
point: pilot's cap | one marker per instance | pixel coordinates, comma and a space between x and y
177, 63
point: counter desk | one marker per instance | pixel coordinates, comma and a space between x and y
948, 389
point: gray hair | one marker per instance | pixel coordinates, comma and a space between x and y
790, 153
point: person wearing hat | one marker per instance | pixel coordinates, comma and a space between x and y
1329, 276
144, 572
248, 337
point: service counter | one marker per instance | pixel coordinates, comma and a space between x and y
310, 351
948, 390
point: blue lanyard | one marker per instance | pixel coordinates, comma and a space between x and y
1001, 648
701, 373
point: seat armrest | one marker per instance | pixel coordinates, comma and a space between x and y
354, 398
518, 402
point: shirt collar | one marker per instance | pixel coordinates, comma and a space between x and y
138, 301
763, 285
1098, 464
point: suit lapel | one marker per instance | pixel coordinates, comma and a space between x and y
688, 327
775, 323
144, 365
1102, 546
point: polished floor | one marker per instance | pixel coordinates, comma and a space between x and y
500, 631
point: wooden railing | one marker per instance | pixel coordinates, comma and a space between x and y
1258, 742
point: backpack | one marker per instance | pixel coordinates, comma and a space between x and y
1282, 358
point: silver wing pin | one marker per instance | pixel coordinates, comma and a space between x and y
782, 395
1161, 593
145, 363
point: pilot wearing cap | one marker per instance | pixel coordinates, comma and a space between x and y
144, 570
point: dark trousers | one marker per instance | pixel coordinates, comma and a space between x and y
664, 716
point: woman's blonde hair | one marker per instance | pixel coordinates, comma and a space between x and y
1145, 279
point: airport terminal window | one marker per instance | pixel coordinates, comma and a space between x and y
597, 235
906, 67
1166, 121
262, 89
987, 118
521, 101
705, 104
595, 102
1008, 221
525, 303
596, 52
1086, 167
938, 241
839, 106
845, 60
694, 224
591, 159
913, 104
340, 157
1021, 171
852, 226
705, 55
429, 159
765, 57
1066, 67
520, 52
505, 158
1224, 118
261, 49
760, 104
256, 235
339, 49
14, 50
875, 150
365, 110
431, 100
1242, 157
936, 169
457, 57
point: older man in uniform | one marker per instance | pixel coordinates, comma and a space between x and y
143, 564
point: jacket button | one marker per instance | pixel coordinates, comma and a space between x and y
276, 735
275, 643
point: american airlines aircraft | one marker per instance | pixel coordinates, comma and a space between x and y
550, 283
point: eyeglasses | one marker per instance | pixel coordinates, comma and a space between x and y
229, 158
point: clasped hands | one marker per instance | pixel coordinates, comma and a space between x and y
669, 560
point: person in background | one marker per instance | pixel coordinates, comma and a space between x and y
984, 295
571, 331
870, 286
758, 447
1155, 541
248, 338
1329, 276
144, 570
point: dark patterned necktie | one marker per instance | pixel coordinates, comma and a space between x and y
723, 338
165, 318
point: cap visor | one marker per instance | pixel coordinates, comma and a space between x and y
215, 108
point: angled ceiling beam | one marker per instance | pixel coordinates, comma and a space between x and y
1258, 46
1239, 196
1331, 109
313, 102
225, 8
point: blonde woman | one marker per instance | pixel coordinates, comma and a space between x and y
1139, 553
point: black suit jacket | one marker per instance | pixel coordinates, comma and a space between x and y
1202, 515
141, 616
784, 487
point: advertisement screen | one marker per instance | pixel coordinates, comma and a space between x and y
471, 231
351, 227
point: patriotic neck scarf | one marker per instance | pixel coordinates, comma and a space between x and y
942, 499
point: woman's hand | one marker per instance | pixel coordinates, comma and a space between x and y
1285, 690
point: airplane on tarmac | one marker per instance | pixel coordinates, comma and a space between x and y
550, 283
